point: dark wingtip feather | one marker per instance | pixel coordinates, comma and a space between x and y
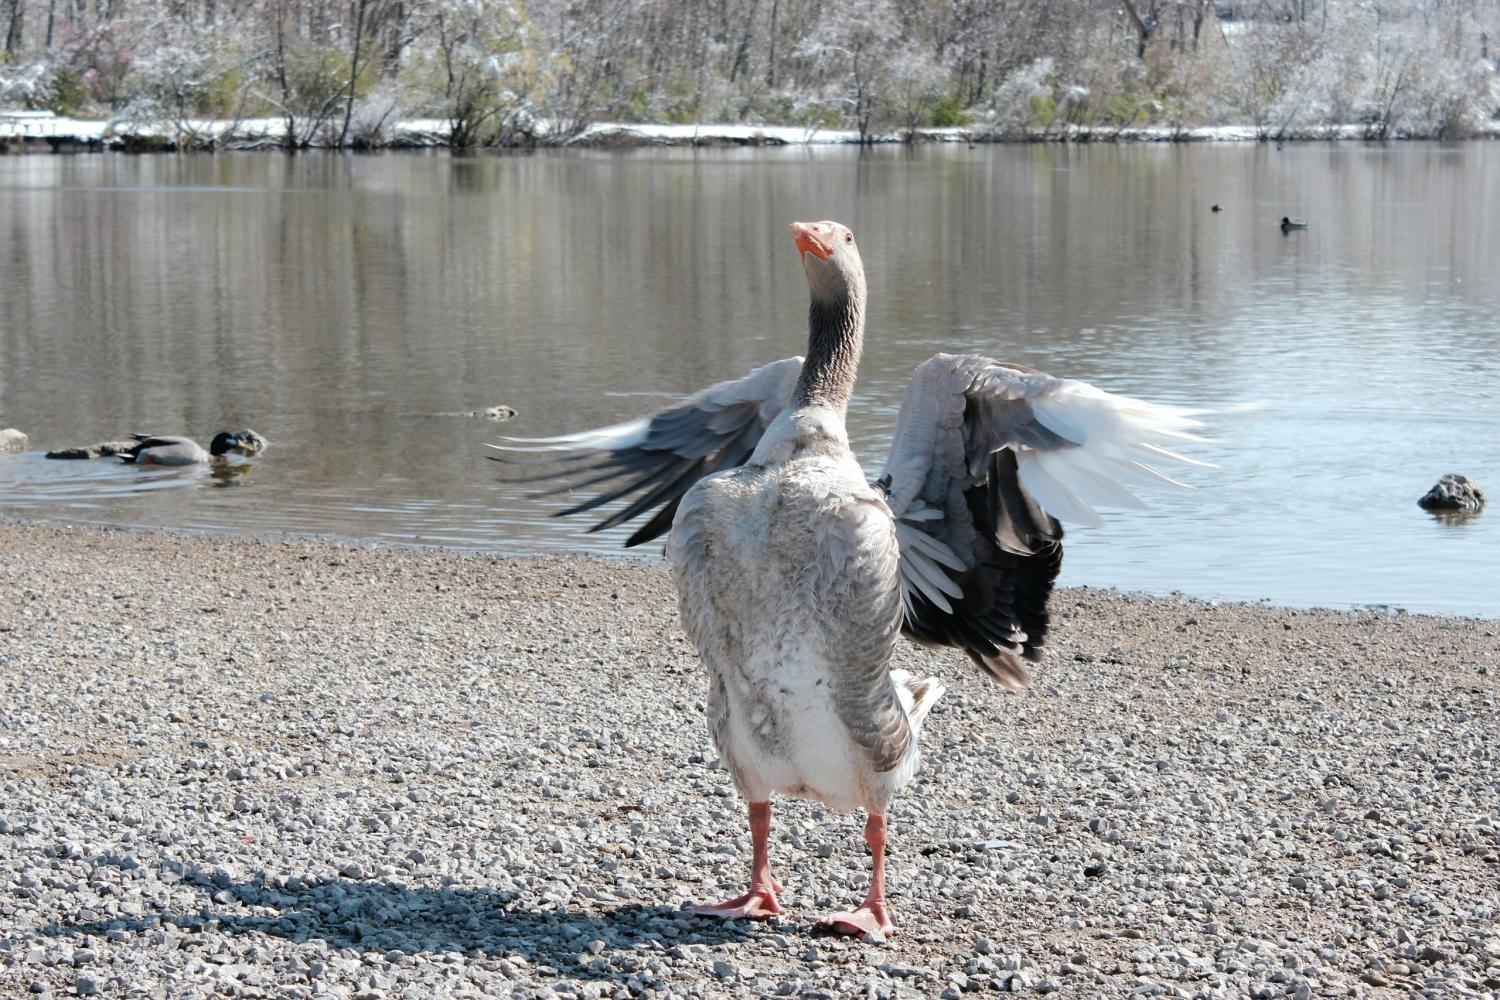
1006, 669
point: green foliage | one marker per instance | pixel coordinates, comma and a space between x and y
482, 73
315, 77
816, 116
681, 103
635, 104
1125, 109
66, 93
1043, 110
223, 95
949, 112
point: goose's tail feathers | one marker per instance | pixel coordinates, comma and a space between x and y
917, 696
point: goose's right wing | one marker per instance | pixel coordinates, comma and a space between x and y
652, 461
988, 457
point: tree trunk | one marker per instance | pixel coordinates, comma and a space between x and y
1144, 26
281, 78
397, 41
771, 62
13, 32
743, 52
359, 34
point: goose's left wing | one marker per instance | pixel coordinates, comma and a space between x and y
653, 461
987, 459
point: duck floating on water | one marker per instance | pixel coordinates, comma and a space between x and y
1287, 225
797, 575
157, 449
152, 449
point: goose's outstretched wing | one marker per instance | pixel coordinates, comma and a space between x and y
653, 461
987, 458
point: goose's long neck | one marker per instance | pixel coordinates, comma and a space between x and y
835, 337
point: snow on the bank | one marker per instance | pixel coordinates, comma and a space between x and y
41, 124
791, 135
435, 131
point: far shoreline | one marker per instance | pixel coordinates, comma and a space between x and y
38, 133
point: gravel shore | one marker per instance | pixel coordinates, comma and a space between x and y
232, 767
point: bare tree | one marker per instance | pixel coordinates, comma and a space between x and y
1145, 17
325, 67
14, 24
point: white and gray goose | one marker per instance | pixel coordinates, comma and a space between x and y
798, 576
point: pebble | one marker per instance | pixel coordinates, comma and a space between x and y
369, 791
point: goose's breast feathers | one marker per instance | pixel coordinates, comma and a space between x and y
789, 581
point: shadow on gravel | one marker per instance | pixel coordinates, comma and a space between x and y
382, 916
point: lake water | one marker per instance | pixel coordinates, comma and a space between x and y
342, 305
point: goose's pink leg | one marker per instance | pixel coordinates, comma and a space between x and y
760, 902
872, 915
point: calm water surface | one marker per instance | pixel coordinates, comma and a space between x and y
343, 306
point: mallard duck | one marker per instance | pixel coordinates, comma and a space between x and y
798, 576
150, 449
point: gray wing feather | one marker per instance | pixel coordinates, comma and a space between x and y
653, 461
165, 450
986, 458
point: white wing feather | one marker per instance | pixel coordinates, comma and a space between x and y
768, 386
626, 435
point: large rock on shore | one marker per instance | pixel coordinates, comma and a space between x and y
1454, 492
12, 440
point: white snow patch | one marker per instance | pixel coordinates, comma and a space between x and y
39, 124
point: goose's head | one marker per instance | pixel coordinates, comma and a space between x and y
831, 259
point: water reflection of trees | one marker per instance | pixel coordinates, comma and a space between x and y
344, 299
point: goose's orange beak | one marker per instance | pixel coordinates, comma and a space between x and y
808, 240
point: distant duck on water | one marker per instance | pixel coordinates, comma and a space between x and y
1287, 225
1217, 207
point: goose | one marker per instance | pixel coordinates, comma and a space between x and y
798, 575
151, 449
1287, 225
